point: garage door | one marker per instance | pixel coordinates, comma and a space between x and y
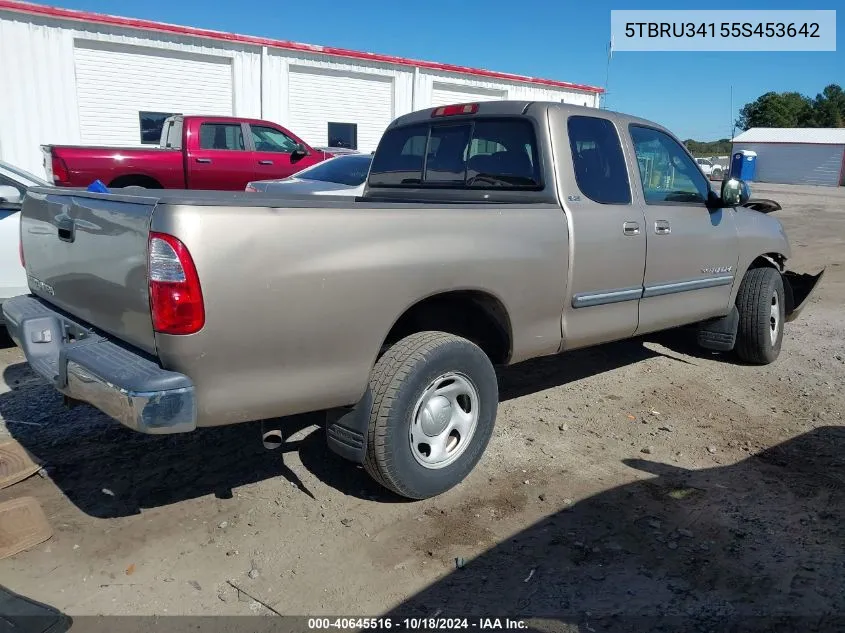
445, 94
115, 84
359, 105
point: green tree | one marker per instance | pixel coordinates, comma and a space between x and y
705, 149
778, 109
829, 107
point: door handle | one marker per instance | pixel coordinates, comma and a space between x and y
203, 160
265, 162
661, 227
631, 228
66, 228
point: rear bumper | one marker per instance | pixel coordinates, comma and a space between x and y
83, 365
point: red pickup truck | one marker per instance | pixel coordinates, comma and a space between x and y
195, 152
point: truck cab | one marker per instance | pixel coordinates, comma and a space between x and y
227, 153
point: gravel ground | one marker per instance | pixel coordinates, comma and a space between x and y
633, 486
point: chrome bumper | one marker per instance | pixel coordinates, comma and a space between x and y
86, 366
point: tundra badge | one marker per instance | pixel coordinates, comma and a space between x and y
40, 285
716, 270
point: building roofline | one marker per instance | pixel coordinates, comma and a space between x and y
162, 27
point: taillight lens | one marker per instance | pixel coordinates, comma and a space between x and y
175, 293
458, 108
61, 174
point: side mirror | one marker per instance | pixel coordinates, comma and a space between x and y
9, 195
735, 192
300, 150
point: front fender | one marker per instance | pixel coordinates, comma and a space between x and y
760, 235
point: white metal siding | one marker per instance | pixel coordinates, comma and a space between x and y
186, 73
797, 163
319, 96
447, 94
38, 101
115, 82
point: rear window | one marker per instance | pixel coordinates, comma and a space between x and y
476, 154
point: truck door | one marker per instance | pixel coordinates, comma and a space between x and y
692, 249
275, 154
607, 242
219, 158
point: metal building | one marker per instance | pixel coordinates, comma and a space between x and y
797, 156
73, 77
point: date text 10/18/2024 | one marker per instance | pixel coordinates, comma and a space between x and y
416, 624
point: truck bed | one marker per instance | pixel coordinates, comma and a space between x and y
299, 292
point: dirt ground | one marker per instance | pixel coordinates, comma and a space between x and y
644, 479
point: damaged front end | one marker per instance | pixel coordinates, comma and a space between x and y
798, 287
720, 334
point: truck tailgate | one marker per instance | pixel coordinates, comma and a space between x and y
87, 255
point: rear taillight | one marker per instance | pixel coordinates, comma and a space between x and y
175, 294
452, 110
61, 174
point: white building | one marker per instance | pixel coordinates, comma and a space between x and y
798, 156
73, 77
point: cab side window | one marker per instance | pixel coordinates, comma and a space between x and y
598, 160
268, 139
668, 174
222, 136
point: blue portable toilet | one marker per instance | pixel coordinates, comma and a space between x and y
744, 165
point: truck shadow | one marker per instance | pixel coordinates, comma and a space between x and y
85, 452
755, 546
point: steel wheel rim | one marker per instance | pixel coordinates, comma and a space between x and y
774, 319
444, 420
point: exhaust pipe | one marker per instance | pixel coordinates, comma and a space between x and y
271, 438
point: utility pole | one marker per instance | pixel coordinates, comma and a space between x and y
607, 72
733, 122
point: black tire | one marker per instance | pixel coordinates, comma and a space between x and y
760, 287
397, 382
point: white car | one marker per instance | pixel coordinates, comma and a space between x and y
342, 175
13, 185
711, 170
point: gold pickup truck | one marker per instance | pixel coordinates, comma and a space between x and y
487, 234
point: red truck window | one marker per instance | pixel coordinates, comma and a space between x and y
268, 139
225, 136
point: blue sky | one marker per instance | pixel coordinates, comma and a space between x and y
688, 92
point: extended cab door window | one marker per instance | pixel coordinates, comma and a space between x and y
667, 173
598, 160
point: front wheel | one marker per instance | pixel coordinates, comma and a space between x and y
760, 302
435, 398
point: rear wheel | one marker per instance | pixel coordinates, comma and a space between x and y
761, 306
435, 398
